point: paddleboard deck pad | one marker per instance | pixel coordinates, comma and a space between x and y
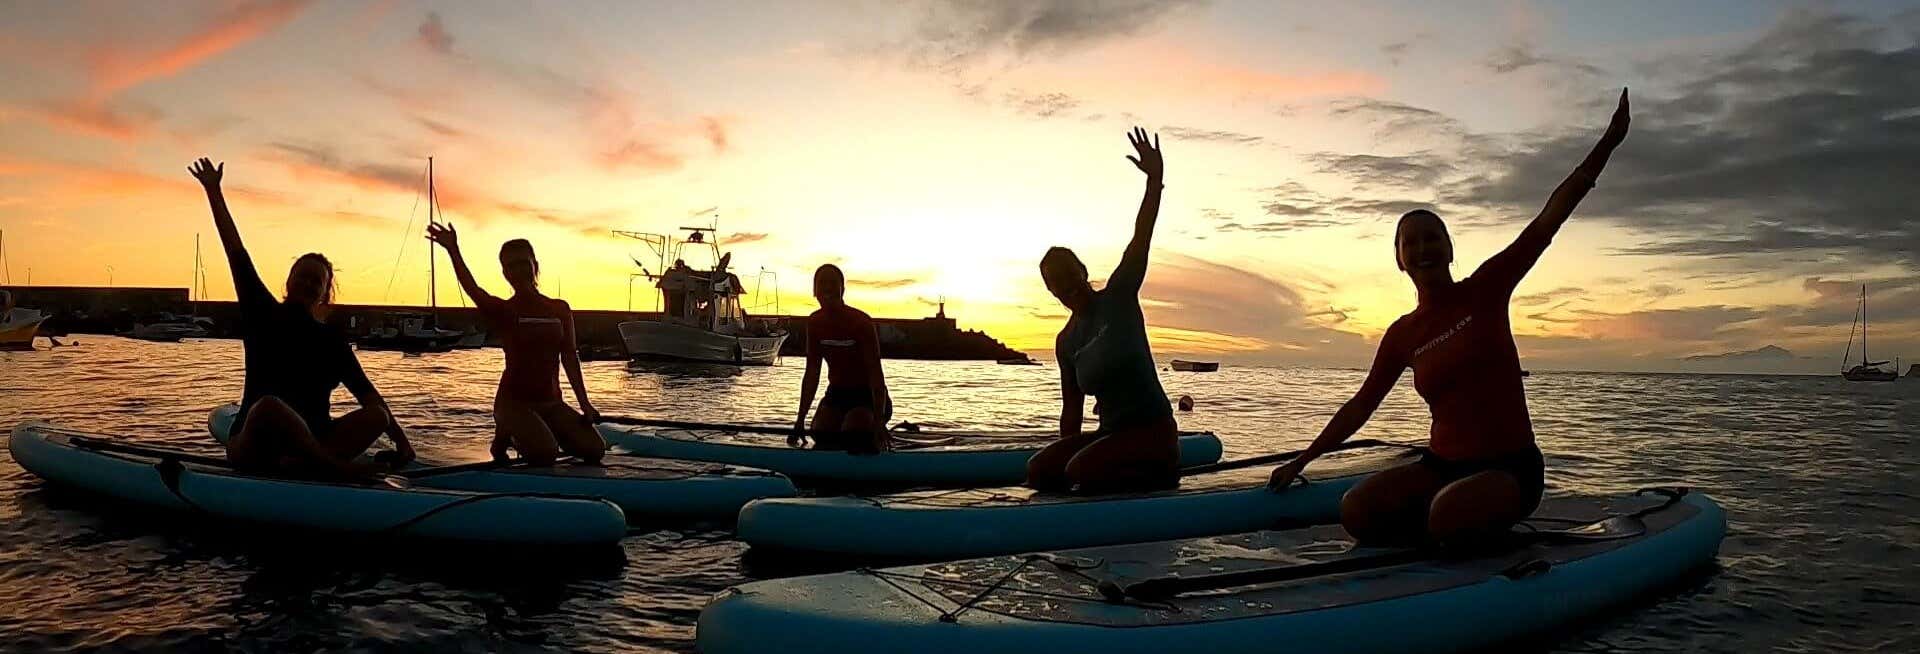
972, 459
643, 487
1056, 601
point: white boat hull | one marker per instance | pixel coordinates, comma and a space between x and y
647, 339
18, 327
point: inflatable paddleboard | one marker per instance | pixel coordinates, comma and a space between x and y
973, 459
1306, 590
643, 488
204, 485
952, 524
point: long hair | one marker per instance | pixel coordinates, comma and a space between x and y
333, 280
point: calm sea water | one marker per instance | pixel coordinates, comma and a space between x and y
1818, 476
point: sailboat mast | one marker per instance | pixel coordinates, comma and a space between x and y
1864, 359
433, 290
193, 294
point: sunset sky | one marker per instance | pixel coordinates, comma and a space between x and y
936, 149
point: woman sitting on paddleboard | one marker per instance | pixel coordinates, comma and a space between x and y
1482, 472
536, 332
1103, 352
845, 339
293, 363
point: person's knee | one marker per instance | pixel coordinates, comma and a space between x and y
1476, 508
589, 450
1045, 472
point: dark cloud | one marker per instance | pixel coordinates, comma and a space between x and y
324, 159
954, 34
1418, 170
1041, 105
1520, 56
1536, 299
1395, 52
882, 283
433, 34
1802, 142
1285, 209
1196, 295
715, 130
439, 128
740, 238
1216, 136
1394, 120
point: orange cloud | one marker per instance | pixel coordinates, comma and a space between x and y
114, 68
115, 71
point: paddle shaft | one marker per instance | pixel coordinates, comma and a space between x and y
125, 448
1277, 458
1160, 588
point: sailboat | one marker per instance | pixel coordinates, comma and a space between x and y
171, 328
17, 326
416, 333
1868, 370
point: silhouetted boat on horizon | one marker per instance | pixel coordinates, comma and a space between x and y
1868, 370
1183, 365
701, 318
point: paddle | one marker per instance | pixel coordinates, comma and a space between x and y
1613, 527
91, 443
1283, 456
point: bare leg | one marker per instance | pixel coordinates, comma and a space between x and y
572, 433
1047, 469
1390, 507
355, 432
1144, 457
274, 431
1478, 508
827, 420
522, 425
862, 421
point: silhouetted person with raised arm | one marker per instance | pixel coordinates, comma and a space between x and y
536, 333
857, 403
1483, 471
293, 363
1103, 352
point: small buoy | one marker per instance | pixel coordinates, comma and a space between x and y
1186, 403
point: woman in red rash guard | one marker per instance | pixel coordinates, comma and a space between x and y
1482, 471
536, 333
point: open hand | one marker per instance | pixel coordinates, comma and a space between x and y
589, 415
1617, 129
208, 173
444, 235
1283, 476
799, 435
1146, 155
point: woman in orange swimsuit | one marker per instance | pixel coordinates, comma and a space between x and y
536, 332
1482, 472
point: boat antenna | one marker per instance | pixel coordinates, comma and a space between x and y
405, 235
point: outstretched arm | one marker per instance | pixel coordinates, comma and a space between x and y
449, 239
1388, 363
246, 280
1132, 271
1512, 264
363, 391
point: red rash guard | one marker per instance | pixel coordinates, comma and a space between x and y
1465, 365
843, 337
533, 335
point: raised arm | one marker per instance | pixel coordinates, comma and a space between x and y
247, 286
1132, 271
449, 239
1388, 363
1511, 265
569, 357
